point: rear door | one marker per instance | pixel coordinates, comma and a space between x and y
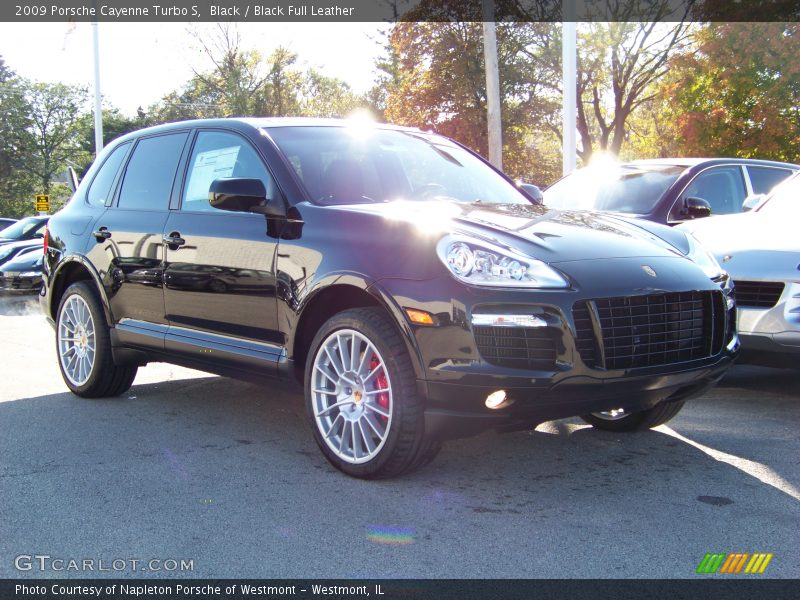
219, 280
127, 245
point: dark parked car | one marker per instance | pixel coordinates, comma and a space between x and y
23, 272
668, 190
12, 249
4, 222
29, 228
416, 293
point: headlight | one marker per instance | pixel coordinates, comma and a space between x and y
700, 255
480, 263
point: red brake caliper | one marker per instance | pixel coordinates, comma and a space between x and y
381, 382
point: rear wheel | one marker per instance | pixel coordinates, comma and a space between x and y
361, 397
619, 419
83, 345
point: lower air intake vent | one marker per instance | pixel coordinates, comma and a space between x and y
517, 347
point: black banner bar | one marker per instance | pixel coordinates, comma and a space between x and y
717, 588
333, 11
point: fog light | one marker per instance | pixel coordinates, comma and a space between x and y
496, 400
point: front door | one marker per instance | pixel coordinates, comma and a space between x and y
219, 280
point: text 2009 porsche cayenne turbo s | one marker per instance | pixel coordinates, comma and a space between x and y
415, 292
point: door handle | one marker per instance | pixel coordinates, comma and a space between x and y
174, 240
102, 234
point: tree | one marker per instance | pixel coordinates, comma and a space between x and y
244, 83
739, 93
52, 138
15, 186
327, 96
618, 63
440, 84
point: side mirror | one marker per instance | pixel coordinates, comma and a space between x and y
752, 201
696, 208
533, 192
241, 194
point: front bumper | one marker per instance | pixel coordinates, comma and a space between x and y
572, 396
456, 373
771, 336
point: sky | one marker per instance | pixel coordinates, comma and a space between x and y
140, 62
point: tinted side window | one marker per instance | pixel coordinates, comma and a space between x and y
764, 179
101, 185
217, 155
151, 172
722, 187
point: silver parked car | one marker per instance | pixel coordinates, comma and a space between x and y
760, 249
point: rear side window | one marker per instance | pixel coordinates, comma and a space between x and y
101, 185
148, 180
763, 179
218, 155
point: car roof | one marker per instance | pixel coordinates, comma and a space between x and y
259, 123
693, 162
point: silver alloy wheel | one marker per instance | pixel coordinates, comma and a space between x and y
76, 340
614, 414
351, 396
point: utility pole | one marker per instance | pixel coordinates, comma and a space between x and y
492, 85
98, 107
569, 66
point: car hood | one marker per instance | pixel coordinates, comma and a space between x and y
550, 235
750, 245
729, 234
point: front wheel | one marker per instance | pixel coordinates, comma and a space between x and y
83, 345
619, 419
361, 397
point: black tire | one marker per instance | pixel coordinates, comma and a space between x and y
406, 447
637, 421
105, 378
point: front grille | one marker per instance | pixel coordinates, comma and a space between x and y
757, 294
651, 330
517, 347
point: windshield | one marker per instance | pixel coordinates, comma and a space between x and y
628, 189
22, 228
785, 200
347, 165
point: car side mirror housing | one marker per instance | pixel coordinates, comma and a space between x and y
241, 194
752, 201
533, 192
696, 208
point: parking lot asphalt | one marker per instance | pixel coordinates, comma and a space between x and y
225, 474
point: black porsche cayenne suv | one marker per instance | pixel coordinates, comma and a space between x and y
414, 291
